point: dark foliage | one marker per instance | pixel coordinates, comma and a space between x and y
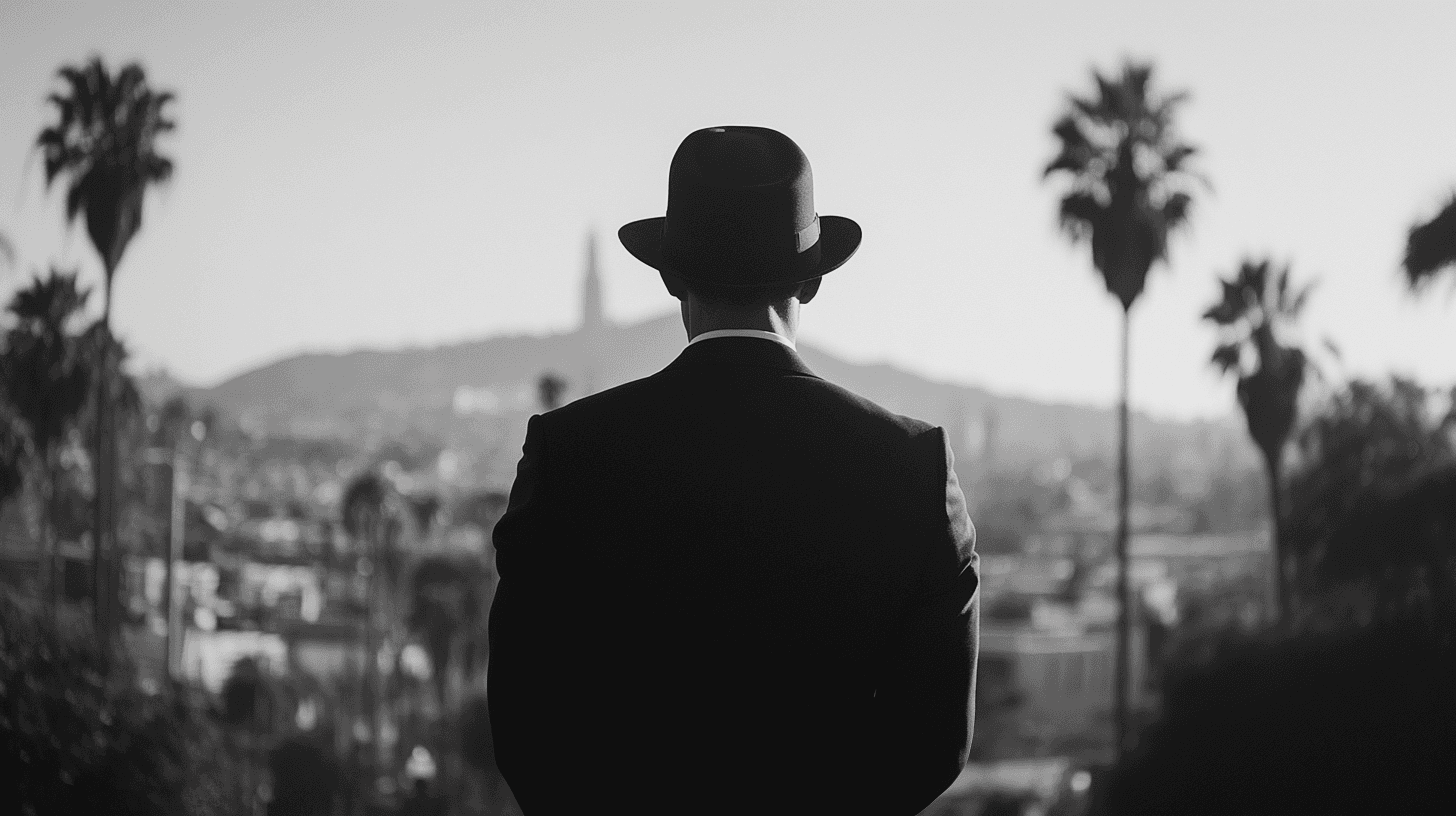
450, 596
15, 450
1370, 505
75, 741
1354, 721
246, 696
46, 372
306, 778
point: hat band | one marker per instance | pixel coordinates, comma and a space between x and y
804, 239
808, 236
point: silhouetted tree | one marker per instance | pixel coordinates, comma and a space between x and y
365, 510
1128, 191
15, 452
104, 143
1254, 306
549, 389
242, 693
307, 779
1350, 721
1431, 247
73, 740
47, 379
425, 508
446, 603
1370, 506
369, 509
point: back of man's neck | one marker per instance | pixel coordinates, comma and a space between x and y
699, 321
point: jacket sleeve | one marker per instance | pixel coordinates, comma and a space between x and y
925, 701
519, 674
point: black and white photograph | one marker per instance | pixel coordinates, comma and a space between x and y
797, 408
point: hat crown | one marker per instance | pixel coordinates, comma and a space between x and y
741, 157
742, 195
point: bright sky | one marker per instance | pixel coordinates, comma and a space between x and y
379, 175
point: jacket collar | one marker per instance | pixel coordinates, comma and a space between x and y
741, 351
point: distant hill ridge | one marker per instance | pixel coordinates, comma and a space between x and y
476, 395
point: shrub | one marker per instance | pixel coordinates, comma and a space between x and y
1350, 721
77, 739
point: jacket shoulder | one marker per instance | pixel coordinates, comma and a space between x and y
875, 414
592, 406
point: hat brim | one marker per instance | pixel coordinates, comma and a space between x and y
839, 237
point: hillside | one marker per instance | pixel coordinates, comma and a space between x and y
476, 396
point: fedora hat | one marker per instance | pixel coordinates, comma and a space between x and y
740, 213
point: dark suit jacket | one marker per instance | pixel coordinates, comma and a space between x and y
733, 587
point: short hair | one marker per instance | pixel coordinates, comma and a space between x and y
740, 295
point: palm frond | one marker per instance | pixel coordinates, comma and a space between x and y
1431, 247
1077, 150
1296, 304
1230, 307
51, 301
1175, 211
104, 142
81, 86
1125, 169
159, 168
1228, 357
1079, 214
1174, 158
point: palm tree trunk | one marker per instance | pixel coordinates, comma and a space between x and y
1124, 628
100, 505
51, 546
1278, 582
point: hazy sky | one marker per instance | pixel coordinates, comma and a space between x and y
378, 175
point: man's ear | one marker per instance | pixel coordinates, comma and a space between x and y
674, 285
809, 289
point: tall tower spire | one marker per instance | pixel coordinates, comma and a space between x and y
591, 288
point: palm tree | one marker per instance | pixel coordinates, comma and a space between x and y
368, 507
1431, 247
15, 452
104, 143
446, 602
48, 379
549, 389
1251, 310
1128, 191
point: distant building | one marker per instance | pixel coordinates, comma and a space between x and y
593, 316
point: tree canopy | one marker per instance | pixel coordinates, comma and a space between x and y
1129, 179
104, 142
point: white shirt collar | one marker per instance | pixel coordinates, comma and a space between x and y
762, 335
